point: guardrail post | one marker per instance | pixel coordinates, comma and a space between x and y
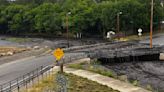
29, 80
32, 78
10, 87
44, 75
23, 81
38, 75
18, 84
41, 72
26, 84
1, 88
70, 58
49, 72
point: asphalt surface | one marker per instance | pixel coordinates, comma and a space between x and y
7, 43
157, 40
13, 70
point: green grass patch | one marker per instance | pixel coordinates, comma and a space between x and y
19, 40
93, 67
76, 66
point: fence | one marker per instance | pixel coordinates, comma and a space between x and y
24, 80
34, 76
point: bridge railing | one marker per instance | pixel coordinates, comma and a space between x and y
34, 76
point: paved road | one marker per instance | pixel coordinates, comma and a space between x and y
7, 43
157, 40
10, 71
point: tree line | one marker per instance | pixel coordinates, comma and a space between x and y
90, 17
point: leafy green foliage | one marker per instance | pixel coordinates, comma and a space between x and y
90, 17
47, 18
12, 18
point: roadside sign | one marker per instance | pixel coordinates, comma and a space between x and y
139, 32
58, 53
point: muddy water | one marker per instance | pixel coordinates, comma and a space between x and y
147, 73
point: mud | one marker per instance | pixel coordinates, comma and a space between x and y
147, 73
51, 43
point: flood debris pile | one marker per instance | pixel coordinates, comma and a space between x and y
9, 51
148, 74
141, 66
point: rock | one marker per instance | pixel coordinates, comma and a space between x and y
29, 48
2, 54
45, 46
123, 78
9, 53
36, 47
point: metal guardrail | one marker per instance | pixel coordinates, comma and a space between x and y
19, 82
30, 78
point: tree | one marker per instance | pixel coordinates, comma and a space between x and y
90, 17
45, 18
109, 12
13, 17
3, 2
82, 17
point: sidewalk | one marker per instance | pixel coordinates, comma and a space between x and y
110, 82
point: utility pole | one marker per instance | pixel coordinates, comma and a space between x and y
67, 28
151, 24
118, 21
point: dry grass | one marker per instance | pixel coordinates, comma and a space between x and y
43, 85
75, 84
